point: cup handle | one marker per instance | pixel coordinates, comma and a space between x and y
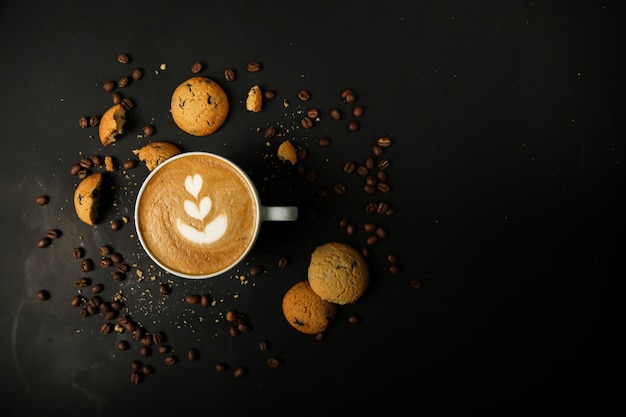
279, 213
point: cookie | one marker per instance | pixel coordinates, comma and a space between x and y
111, 125
305, 311
338, 273
199, 106
287, 152
254, 101
154, 153
87, 198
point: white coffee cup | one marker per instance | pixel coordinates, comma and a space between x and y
198, 214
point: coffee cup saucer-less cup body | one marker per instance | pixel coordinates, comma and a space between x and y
198, 214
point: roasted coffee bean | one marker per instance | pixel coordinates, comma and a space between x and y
371, 208
97, 160
343, 222
256, 270
123, 268
362, 170
43, 295
320, 337
253, 66
110, 315
84, 313
138, 332
163, 349
283, 262
123, 345
53, 233
229, 74
301, 153
116, 97
75, 168
77, 300
383, 164
244, 327
353, 319
96, 301
97, 289
306, 122
83, 122
233, 331
93, 310
353, 125
358, 110
369, 189
392, 257
104, 250
345, 92
382, 207
158, 338
123, 58
106, 328
313, 113
86, 265
270, 132
145, 351
264, 345
106, 262
382, 176
351, 229
193, 354
391, 211
394, 269
240, 372
415, 283
44, 242
221, 367
273, 362
94, 121
164, 289
148, 130
42, 200
77, 253
196, 67
311, 176
106, 306
115, 224
136, 365
192, 299
381, 232
205, 300
170, 360
117, 305
148, 369
369, 227
304, 95
335, 114
377, 150
127, 103
370, 163
383, 187
323, 142
349, 97
383, 142
371, 180
82, 173
340, 189
372, 240
130, 164
123, 320
86, 163
137, 74
135, 377
123, 81
348, 167
83, 282
109, 86
366, 252
118, 276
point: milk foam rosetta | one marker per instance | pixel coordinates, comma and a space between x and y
197, 215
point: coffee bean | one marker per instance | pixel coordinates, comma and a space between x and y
123, 81
253, 66
146, 339
138, 332
335, 114
117, 305
369, 189
123, 268
148, 369
311, 176
193, 354
106, 262
136, 365
158, 338
83, 282
269, 133
97, 289
371, 180
273, 362
109, 86
264, 345
123, 345
77, 253
313, 113
86, 163
345, 92
205, 300
148, 130
323, 142
164, 289
369, 227
137, 74
391, 211
43, 295
301, 153
370, 163
84, 313
366, 252
358, 110
75, 168
130, 164
170, 360
116, 97
42, 200
349, 97
353, 125
353, 319
381, 233
106, 328
304, 95
343, 222
192, 299
340, 189
118, 276
320, 337
383, 187
163, 349
221, 367
123, 58
383, 142
394, 269
377, 150
44, 242
233, 331
382, 207
229, 74
86, 265
306, 122
145, 351
283, 262
135, 377
382, 176
110, 315
196, 67
115, 224
244, 327
83, 122
362, 170
240, 372
127, 103
372, 240
97, 160
77, 300
53, 234
351, 229
415, 283
82, 173
383, 164
94, 121
348, 167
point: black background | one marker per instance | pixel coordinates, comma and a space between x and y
507, 172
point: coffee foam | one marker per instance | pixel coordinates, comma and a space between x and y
197, 215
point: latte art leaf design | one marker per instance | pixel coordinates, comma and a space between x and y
199, 209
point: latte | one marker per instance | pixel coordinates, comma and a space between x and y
197, 215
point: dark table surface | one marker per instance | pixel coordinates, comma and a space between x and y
507, 177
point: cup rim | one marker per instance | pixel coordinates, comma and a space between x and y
251, 185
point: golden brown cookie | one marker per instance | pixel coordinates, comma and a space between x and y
254, 101
305, 311
156, 152
199, 106
111, 125
87, 198
287, 152
338, 273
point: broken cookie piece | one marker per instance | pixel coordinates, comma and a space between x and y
111, 125
254, 102
87, 198
287, 152
154, 153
